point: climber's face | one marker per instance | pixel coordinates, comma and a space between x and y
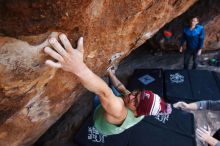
132, 100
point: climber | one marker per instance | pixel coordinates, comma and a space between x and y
203, 134
193, 35
115, 114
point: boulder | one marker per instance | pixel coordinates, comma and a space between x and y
34, 96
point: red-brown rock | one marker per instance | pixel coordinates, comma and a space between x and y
32, 95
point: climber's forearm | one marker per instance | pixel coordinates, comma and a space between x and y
94, 83
193, 106
116, 83
112, 104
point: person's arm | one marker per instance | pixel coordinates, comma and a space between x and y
200, 105
204, 135
201, 41
210, 105
117, 84
201, 38
71, 60
186, 106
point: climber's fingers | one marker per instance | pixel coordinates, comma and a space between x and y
56, 45
66, 43
53, 54
80, 45
53, 64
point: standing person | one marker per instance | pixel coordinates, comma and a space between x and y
203, 134
115, 114
193, 35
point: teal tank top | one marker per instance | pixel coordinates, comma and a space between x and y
106, 128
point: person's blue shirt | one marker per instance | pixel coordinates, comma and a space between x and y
194, 38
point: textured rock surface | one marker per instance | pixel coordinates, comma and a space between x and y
34, 96
209, 15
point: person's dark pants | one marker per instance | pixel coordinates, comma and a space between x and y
187, 55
